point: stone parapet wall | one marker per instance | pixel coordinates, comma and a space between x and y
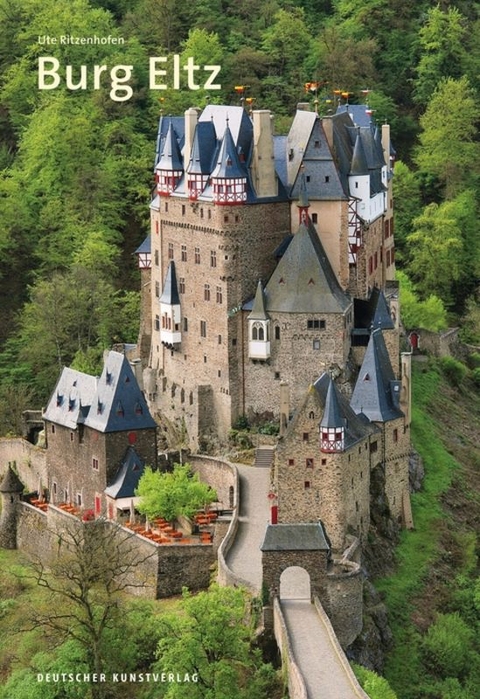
343, 600
29, 461
296, 683
357, 690
220, 475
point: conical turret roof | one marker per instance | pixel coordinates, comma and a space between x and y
170, 293
332, 415
228, 163
170, 158
11, 483
258, 309
359, 165
376, 391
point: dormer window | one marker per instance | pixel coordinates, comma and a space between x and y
108, 378
71, 404
59, 400
99, 408
138, 409
119, 411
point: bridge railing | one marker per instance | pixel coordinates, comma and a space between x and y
349, 674
296, 684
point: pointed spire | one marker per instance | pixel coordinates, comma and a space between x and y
382, 318
170, 158
170, 293
359, 164
376, 390
11, 483
228, 163
258, 309
332, 415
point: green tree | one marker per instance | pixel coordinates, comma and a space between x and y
448, 148
86, 578
170, 495
408, 204
212, 640
442, 41
436, 251
429, 314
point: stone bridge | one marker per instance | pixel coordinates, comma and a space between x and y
317, 666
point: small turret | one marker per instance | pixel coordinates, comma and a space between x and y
11, 489
170, 311
259, 328
332, 424
229, 179
169, 169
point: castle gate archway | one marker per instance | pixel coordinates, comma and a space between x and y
295, 584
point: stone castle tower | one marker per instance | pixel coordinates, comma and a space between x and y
11, 489
260, 247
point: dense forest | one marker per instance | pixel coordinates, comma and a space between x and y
76, 165
76, 176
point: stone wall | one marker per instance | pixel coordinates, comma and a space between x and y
29, 461
220, 475
357, 690
296, 684
311, 485
216, 272
275, 562
73, 473
343, 600
294, 357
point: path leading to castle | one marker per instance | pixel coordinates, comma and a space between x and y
245, 557
316, 656
319, 663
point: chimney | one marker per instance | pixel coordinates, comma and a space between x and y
263, 163
386, 142
191, 118
327, 124
284, 406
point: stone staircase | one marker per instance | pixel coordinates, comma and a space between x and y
264, 457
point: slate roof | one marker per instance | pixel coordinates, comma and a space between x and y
358, 113
11, 483
373, 313
178, 124
170, 156
338, 412
258, 309
376, 392
170, 293
126, 479
111, 403
203, 149
295, 537
303, 281
309, 156
73, 394
146, 246
228, 163
333, 416
359, 159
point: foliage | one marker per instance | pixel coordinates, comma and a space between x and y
470, 329
454, 370
212, 639
429, 314
375, 686
447, 645
85, 578
170, 495
447, 142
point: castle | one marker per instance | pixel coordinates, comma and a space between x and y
268, 291
269, 270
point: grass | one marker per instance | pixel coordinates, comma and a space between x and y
419, 549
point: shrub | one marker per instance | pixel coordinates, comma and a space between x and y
453, 370
375, 686
446, 646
